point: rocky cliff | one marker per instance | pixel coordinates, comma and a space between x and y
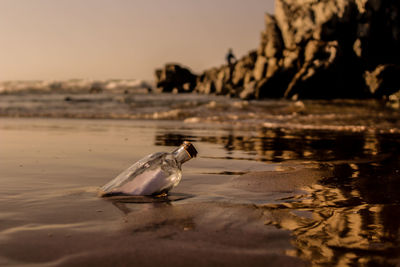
310, 49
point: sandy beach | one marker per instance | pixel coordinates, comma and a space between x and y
235, 206
51, 215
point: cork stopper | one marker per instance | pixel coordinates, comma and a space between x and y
190, 149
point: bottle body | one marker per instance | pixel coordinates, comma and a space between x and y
155, 174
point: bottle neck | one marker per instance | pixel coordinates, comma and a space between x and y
181, 155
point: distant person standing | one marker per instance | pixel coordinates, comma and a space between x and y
230, 57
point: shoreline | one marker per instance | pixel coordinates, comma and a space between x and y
369, 116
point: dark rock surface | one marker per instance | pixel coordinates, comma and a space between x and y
310, 49
384, 80
175, 78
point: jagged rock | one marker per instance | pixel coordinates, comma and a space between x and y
223, 78
248, 77
273, 36
274, 86
309, 81
325, 74
206, 87
384, 80
290, 59
239, 73
229, 80
263, 44
273, 67
303, 20
378, 32
206, 81
158, 73
248, 91
242, 68
313, 49
175, 77
260, 68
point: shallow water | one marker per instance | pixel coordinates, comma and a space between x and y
258, 193
334, 115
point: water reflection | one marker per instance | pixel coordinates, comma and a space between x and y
122, 202
343, 227
350, 217
278, 145
171, 139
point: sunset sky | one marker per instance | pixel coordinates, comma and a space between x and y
101, 39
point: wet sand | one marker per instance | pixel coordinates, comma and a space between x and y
235, 206
51, 215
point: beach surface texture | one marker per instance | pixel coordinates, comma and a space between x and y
254, 196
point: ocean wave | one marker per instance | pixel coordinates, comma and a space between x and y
337, 115
75, 85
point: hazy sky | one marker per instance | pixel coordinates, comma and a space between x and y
100, 39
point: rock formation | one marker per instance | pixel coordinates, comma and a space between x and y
310, 49
174, 78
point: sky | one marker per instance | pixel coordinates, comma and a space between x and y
122, 39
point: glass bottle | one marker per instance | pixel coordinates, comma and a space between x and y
155, 174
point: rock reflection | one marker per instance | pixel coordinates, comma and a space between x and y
171, 139
339, 235
350, 217
279, 145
